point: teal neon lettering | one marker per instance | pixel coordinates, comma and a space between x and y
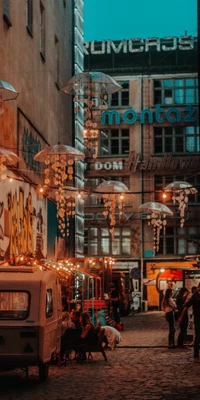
133, 118
111, 116
176, 111
159, 110
149, 113
190, 112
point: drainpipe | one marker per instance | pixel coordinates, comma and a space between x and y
142, 190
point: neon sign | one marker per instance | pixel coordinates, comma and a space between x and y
130, 117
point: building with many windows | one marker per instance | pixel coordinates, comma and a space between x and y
41, 49
148, 138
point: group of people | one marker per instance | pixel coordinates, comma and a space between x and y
78, 329
183, 302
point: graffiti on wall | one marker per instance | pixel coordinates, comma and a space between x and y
22, 222
30, 142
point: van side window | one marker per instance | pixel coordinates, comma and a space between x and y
49, 303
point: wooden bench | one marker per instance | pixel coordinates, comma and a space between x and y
95, 348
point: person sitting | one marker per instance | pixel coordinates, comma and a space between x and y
76, 319
66, 322
88, 334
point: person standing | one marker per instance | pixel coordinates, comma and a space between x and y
194, 301
168, 307
114, 299
180, 301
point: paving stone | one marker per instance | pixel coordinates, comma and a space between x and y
140, 368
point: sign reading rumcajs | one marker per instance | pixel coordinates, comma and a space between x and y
136, 45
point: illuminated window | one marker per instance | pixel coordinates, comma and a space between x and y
176, 140
14, 305
121, 98
49, 303
114, 142
176, 91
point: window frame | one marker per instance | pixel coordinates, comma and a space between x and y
174, 88
164, 135
110, 139
42, 31
29, 16
176, 239
6, 12
97, 240
49, 313
119, 96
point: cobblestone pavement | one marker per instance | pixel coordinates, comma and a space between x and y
140, 368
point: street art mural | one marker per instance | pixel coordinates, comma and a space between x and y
23, 221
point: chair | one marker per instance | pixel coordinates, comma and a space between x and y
95, 348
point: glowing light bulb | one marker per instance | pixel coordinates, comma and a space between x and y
11, 180
164, 195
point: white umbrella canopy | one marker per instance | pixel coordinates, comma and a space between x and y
86, 80
180, 186
57, 150
157, 208
7, 91
112, 187
7, 157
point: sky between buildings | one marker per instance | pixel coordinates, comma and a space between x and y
126, 19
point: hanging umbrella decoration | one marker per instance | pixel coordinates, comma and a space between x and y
7, 92
65, 203
114, 195
157, 213
59, 161
180, 191
7, 158
91, 89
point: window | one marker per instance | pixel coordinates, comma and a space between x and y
121, 98
29, 16
57, 61
42, 31
49, 303
114, 142
161, 181
176, 140
14, 305
100, 242
6, 12
178, 241
176, 91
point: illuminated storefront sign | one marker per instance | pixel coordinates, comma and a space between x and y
136, 45
109, 165
166, 162
130, 117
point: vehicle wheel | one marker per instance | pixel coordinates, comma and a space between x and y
43, 371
